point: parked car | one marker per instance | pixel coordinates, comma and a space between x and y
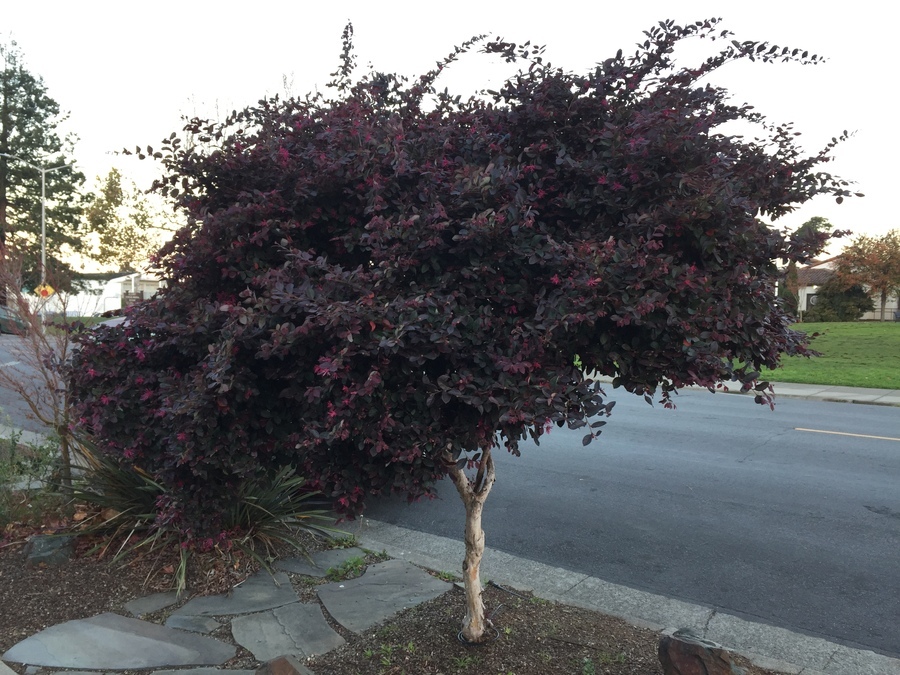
11, 322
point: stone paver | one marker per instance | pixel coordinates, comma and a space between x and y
260, 592
151, 603
320, 562
110, 641
195, 624
6, 670
385, 589
297, 629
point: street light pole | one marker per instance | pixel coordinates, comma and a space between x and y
44, 173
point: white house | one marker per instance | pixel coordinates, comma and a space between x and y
810, 277
101, 296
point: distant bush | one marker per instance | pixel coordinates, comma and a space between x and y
835, 302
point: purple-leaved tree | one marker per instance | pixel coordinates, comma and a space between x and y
383, 287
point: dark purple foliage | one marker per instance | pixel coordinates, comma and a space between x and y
369, 281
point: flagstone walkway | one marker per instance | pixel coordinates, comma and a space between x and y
265, 614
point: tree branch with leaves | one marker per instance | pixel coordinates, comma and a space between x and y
872, 262
385, 287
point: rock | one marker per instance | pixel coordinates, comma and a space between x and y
293, 630
686, 653
195, 624
52, 549
284, 665
6, 670
260, 592
384, 590
319, 563
109, 641
151, 603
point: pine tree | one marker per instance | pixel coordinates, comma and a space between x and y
30, 140
122, 219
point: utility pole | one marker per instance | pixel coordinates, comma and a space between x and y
44, 173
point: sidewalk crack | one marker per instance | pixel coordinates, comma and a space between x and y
708, 619
830, 659
284, 629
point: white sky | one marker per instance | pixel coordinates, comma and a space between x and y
128, 71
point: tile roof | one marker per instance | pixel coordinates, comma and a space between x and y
813, 276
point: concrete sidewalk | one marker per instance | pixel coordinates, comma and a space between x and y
816, 392
826, 392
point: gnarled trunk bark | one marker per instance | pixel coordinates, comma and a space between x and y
473, 494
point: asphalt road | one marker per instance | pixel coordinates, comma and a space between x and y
721, 502
13, 410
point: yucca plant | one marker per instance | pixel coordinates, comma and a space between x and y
124, 499
268, 511
125, 493
274, 510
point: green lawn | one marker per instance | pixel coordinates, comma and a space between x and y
853, 354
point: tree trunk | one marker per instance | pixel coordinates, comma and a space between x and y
883, 302
473, 494
65, 457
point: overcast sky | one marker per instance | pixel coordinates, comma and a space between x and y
128, 71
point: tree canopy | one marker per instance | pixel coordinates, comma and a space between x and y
124, 223
872, 262
380, 286
29, 138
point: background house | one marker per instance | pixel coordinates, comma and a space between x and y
810, 277
105, 292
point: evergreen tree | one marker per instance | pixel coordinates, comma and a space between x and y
123, 221
835, 301
29, 141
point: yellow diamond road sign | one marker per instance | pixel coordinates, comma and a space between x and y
44, 290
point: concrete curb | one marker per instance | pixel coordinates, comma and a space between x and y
767, 646
811, 392
26, 437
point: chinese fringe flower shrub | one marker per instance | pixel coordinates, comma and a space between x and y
374, 285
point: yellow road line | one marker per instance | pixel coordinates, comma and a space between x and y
844, 433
